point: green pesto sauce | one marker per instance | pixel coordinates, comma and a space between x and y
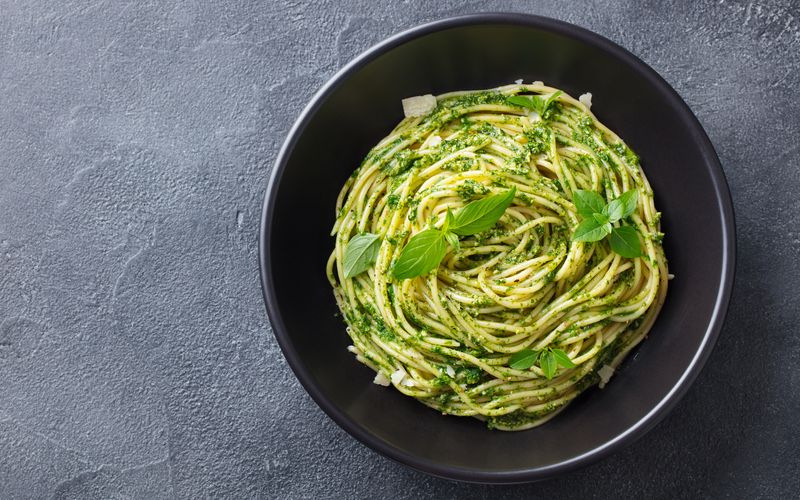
538, 138
469, 100
519, 417
469, 189
398, 166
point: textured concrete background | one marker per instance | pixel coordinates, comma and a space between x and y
136, 360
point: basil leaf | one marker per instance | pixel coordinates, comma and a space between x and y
547, 362
523, 359
448, 220
538, 103
533, 102
452, 238
550, 100
562, 358
621, 207
591, 230
423, 252
601, 218
625, 241
481, 215
360, 254
588, 202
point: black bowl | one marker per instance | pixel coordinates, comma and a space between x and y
360, 105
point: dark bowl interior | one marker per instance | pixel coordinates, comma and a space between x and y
360, 105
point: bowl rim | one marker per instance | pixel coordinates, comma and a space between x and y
644, 424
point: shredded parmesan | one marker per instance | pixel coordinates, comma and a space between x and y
381, 379
605, 375
450, 371
398, 377
586, 99
518, 82
418, 106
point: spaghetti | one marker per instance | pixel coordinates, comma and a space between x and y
449, 338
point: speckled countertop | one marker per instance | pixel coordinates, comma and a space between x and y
136, 359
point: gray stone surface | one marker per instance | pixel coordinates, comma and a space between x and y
136, 359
